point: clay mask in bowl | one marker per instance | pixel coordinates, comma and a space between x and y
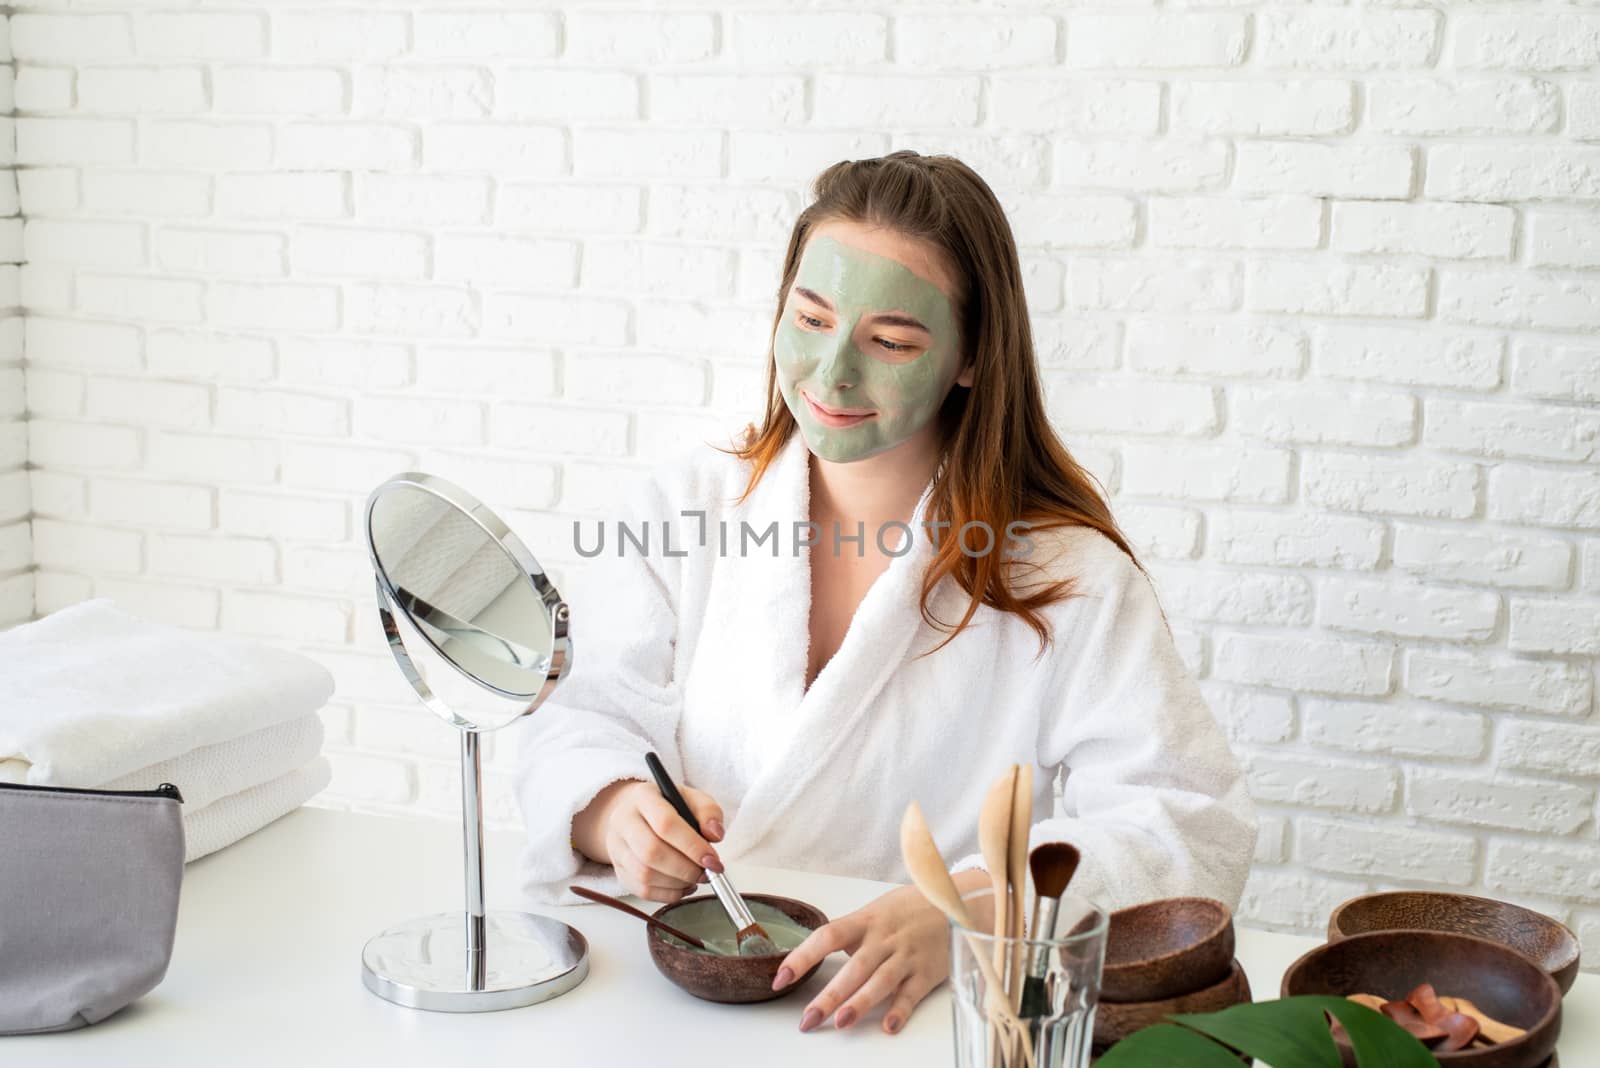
720, 974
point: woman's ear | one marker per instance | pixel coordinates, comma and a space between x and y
964, 378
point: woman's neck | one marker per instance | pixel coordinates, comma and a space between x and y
875, 490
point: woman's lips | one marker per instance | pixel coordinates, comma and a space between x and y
832, 419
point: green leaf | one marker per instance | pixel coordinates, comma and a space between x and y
1379, 1042
1164, 1045
1286, 1033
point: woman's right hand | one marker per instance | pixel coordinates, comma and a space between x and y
655, 852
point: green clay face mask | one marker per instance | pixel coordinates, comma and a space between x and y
708, 922
849, 360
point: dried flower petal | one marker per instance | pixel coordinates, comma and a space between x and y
1459, 1030
1426, 1002
1402, 1013
1490, 1030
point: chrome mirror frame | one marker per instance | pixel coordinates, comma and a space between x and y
443, 962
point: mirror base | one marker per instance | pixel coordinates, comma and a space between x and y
423, 963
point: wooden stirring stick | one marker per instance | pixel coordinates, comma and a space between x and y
1017, 875
1017, 871
622, 906
932, 878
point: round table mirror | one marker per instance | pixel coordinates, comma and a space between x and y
483, 618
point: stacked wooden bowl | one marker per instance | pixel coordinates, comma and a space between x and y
1546, 942
1169, 956
1511, 962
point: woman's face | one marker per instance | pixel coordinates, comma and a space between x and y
867, 347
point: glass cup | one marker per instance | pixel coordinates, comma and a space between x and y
1057, 980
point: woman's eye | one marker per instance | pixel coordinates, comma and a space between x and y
892, 346
815, 324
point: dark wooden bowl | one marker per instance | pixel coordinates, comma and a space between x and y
1114, 1021
731, 980
1097, 1053
1547, 943
1165, 948
1390, 964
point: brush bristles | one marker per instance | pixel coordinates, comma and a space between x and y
754, 941
1052, 866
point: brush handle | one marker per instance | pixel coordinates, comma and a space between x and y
1044, 929
669, 790
737, 910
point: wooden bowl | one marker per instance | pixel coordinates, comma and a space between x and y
731, 980
1165, 948
1499, 980
1097, 1053
1114, 1021
1547, 943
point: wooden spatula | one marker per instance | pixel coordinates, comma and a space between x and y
932, 878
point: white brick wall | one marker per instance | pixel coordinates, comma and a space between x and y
16, 494
1316, 292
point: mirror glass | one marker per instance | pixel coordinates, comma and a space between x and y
470, 590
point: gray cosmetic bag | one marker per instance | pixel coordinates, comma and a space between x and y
89, 883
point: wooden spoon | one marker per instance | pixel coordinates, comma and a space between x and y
660, 925
994, 836
932, 878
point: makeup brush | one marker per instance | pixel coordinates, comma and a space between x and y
752, 938
1053, 864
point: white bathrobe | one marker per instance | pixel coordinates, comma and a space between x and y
702, 658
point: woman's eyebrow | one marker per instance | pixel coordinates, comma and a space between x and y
888, 318
814, 297
896, 319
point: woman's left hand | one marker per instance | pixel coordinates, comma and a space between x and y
899, 948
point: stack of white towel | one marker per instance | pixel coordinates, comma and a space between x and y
92, 696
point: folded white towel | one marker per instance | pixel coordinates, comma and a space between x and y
228, 819
92, 693
216, 771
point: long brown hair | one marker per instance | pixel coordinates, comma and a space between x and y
1001, 459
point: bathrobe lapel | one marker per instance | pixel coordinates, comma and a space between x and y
804, 730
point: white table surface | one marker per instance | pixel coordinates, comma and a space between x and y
266, 971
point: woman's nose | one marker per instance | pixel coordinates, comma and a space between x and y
841, 364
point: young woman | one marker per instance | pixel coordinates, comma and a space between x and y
895, 587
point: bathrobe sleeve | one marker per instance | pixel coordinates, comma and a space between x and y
1154, 798
617, 701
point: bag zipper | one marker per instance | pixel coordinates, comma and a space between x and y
166, 789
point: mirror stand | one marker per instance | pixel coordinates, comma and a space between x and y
472, 961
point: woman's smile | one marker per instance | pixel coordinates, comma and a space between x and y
835, 417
